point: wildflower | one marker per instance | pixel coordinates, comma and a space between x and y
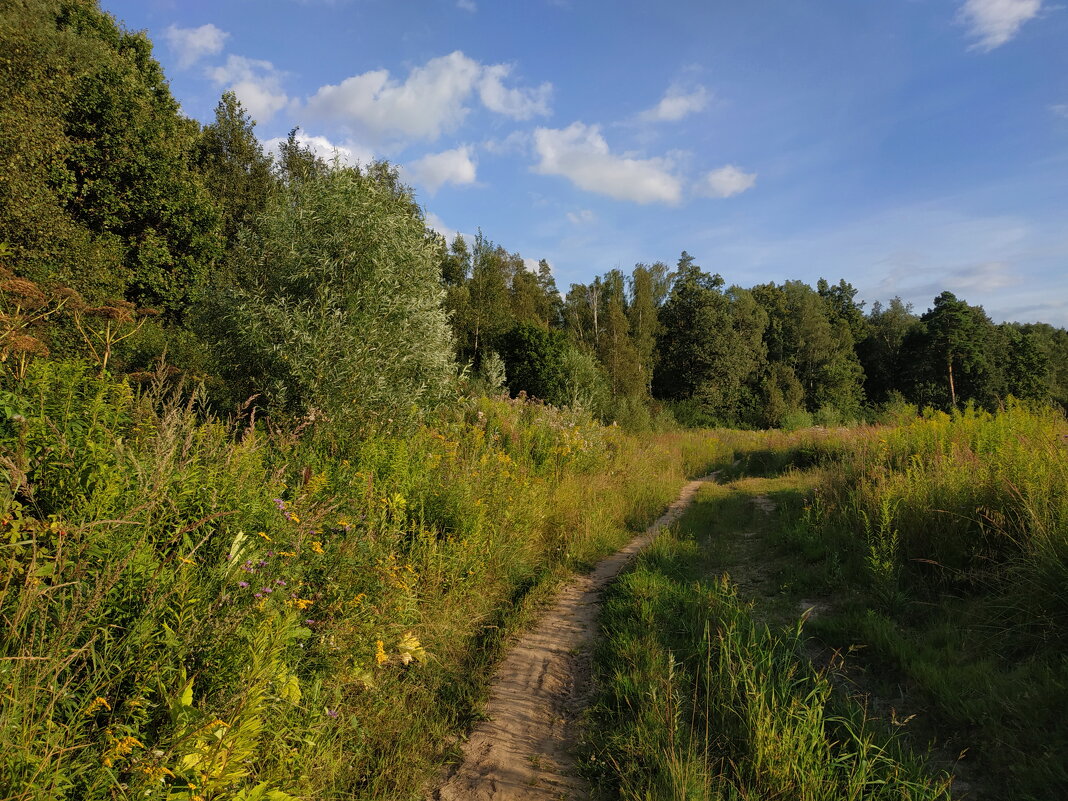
380, 653
242, 584
302, 603
267, 590
280, 504
309, 622
154, 774
96, 704
280, 582
331, 712
263, 535
258, 595
317, 547
120, 749
185, 561
263, 563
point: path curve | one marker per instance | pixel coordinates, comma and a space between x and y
521, 751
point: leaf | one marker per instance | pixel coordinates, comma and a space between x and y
186, 698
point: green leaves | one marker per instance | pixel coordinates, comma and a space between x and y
338, 302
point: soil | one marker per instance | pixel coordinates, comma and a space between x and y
522, 751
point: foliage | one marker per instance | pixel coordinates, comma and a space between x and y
99, 191
194, 610
337, 304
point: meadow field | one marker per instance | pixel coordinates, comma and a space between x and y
850, 613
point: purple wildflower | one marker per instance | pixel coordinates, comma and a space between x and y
258, 595
309, 622
280, 582
242, 584
332, 712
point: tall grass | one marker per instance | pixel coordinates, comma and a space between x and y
194, 609
698, 701
949, 541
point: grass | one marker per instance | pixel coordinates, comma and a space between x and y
702, 697
929, 561
194, 609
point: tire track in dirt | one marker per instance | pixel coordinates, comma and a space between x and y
521, 752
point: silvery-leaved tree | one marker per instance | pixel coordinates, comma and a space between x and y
337, 305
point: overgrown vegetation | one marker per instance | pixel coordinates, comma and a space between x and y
279, 472
928, 558
197, 611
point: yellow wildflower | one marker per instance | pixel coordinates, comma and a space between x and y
96, 704
380, 653
264, 535
317, 547
120, 749
155, 774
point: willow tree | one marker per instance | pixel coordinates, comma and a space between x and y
337, 304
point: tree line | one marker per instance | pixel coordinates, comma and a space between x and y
134, 236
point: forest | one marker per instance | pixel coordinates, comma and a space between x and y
283, 469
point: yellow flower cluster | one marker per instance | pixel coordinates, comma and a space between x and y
120, 749
96, 704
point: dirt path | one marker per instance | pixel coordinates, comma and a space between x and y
521, 752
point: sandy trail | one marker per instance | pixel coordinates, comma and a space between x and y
522, 751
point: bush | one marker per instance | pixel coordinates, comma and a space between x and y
338, 302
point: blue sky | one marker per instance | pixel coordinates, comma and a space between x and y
907, 146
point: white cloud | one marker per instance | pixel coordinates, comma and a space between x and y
257, 84
467, 5
994, 22
520, 104
432, 100
580, 154
581, 217
725, 182
436, 223
448, 167
192, 44
676, 104
517, 142
349, 153
426, 105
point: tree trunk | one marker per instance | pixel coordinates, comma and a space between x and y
952, 388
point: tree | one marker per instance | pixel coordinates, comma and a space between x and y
534, 361
236, 170
954, 342
648, 287
707, 352
615, 348
879, 351
100, 191
339, 304
801, 335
